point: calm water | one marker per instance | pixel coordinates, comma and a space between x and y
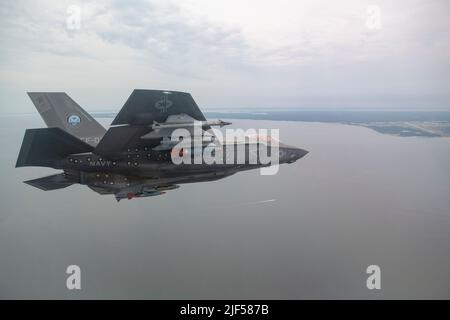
358, 198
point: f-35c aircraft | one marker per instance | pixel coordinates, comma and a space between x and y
133, 158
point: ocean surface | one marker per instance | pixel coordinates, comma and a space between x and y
358, 198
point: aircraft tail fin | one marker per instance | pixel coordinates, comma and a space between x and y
44, 146
52, 182
60, 111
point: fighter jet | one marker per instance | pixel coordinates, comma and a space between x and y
134, 157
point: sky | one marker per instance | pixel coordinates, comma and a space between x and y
228, 54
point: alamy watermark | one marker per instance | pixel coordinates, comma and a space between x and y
374, 280
73, 281
252, 147
73, 19
373, 20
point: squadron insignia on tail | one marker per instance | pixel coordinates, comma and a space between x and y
60, 111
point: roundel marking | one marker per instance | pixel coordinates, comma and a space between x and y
74, 120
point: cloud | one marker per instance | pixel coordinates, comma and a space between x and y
229, 53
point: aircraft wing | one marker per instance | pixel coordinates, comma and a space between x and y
142, 110
144, 107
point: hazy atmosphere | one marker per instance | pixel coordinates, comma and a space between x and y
358, 198
362, 86
228, 53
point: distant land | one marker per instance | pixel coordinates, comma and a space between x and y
403, 123
400, 123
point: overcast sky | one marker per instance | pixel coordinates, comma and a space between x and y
227, 54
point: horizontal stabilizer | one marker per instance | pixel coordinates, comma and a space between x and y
53, 182
42, 147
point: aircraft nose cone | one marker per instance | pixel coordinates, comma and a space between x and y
301, 153
297, 153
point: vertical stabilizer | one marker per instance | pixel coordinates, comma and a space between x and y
59, 111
